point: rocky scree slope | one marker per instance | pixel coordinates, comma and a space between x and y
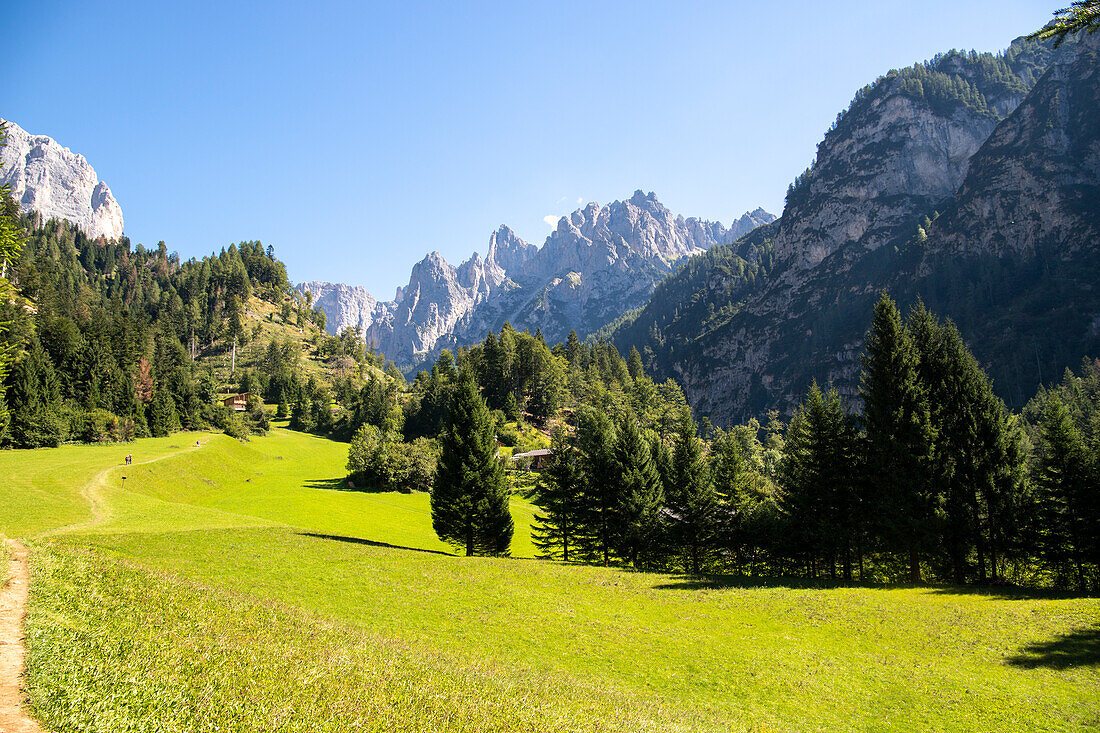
52, 180
747, 326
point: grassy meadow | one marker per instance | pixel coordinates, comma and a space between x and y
240, 586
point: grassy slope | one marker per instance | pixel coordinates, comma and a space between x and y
460, 641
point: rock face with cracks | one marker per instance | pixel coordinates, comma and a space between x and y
52, 180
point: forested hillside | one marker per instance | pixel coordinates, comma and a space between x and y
970, 181
113, 342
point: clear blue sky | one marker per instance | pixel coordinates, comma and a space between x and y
356, 137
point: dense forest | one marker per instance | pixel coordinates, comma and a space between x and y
113, 342
933, 478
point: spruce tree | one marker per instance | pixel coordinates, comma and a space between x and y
640, 491
634, 364
979, 461
819, 480
898, 487
599, 480
11, 242
1064, 492
558, 495
692, 500
163, 417
469, 499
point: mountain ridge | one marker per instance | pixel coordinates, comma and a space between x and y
598, 262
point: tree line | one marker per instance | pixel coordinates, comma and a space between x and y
933, 478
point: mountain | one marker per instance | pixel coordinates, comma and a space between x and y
1005, 146
599, 262
57, 183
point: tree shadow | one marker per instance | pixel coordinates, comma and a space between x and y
341, 484
1008, 592
370, 543
330, 484
1078, 648
721, 582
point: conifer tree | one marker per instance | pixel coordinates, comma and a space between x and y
692, 500
11, 242
1065, 492
819, 482
164, 419
640, 491
899, 488
600, 481
979, 462
558, 495
469, 499
634, 364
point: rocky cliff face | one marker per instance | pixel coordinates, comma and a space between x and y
598, 263
1008, 157
58, 183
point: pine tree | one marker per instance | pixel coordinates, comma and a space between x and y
634, 364
11, 242
599, 480
163, 417
469, 499
558, 495
899, 490
1064, 492
979, 461
692, 500
819, 480
640, 492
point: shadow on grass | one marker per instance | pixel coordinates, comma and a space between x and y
341, 484
330, 484
1008, 592
370, 543
1078, 648
719, 582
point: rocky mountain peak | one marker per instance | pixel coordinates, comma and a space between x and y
508, 251
49, 178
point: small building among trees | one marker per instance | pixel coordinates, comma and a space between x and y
533, 459
238, 402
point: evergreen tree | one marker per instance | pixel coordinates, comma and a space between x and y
899, 491
692, 500
639, 491
1065, 494
819, 482
11, 242
558, 495
469, 498
595, 444
164, 420
634, 364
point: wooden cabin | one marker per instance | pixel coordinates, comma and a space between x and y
537, 458
238, 402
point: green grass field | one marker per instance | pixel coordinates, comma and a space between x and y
238, 587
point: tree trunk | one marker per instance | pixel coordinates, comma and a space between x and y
469, 540
914, 565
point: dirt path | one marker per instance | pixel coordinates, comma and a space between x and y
97, 505
13, 603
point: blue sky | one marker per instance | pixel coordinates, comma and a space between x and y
356, 137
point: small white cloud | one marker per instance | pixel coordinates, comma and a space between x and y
580, 199
551, 220
562, 200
